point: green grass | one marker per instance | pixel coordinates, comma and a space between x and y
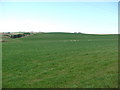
61, 60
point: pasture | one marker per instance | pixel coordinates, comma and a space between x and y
60, 60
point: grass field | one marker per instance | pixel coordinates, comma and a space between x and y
61, 60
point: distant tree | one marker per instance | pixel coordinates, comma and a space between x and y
79, 32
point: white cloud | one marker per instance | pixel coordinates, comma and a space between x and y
13, 25
16, 25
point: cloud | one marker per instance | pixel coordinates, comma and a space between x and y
16, 25
13, 25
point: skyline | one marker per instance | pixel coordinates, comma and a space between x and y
84, 17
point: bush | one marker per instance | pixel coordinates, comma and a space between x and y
16, 36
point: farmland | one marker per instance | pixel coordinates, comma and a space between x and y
60, 60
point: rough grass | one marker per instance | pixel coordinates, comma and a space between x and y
61, 60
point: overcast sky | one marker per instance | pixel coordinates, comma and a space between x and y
86, 17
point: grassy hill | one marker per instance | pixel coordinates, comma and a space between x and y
61, 60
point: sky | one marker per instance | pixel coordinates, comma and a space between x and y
84, 17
